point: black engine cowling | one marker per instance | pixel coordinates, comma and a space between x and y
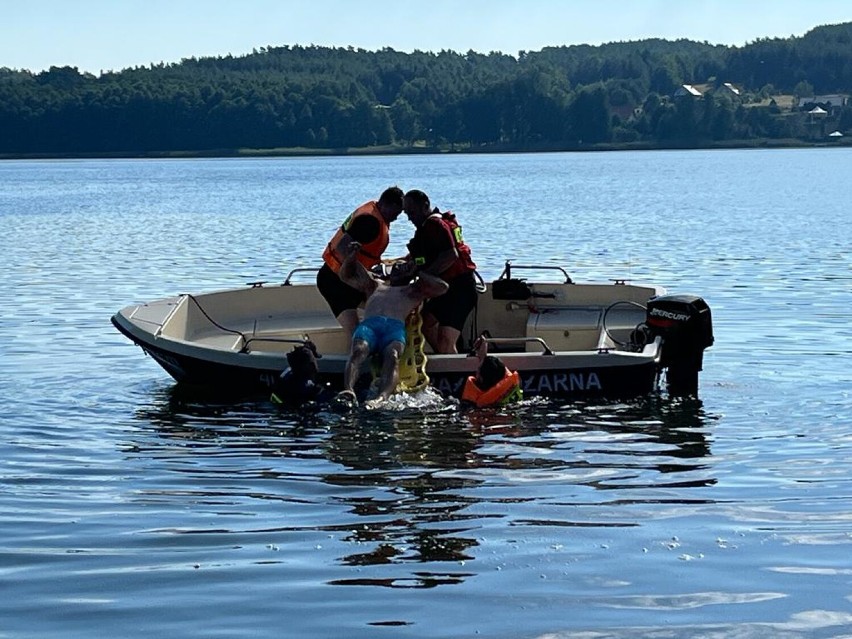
686, 328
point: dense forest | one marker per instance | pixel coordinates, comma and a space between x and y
319, 98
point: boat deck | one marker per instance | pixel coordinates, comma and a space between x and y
270, 319
560, 329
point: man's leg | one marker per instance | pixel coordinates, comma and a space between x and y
442, 339
447, 339
429, 328
348, 319
390, 369
358, 353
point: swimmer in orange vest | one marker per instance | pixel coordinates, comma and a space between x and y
493, 384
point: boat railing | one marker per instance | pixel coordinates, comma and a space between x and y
507, 270
247, 341
306, 269
497, 341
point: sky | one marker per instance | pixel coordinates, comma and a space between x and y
109, 35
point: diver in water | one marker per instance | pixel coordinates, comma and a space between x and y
297, 386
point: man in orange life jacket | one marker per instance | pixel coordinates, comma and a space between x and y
493, 384
439, 249
369, 226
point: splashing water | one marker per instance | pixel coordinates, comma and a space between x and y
427, 399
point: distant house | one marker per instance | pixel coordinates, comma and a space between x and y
687, 90
698, 90
828, 102
784, 101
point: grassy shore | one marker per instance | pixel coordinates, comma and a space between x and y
395, 149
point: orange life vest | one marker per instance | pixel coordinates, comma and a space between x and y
506, 390
370, 253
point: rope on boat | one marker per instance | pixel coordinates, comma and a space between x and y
212, 321
246, 340
412, 362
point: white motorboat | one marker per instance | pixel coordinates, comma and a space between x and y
566, 339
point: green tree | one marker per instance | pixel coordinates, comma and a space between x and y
589, 116
405, 121
803, 89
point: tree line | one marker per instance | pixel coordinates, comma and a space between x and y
338, 98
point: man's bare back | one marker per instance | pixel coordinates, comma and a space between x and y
398, 301
383, 299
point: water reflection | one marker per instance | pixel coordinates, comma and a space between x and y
424, 519
422, 489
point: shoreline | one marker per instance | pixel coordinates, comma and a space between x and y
763, 143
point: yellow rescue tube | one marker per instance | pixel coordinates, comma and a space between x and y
412, 362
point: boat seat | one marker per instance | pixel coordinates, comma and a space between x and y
298, 323
322, 328
566, 328
287, 326
220, 340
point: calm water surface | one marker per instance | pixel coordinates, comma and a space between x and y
130, 508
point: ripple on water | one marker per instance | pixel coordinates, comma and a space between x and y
130, 506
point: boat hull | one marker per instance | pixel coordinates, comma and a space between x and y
563, 376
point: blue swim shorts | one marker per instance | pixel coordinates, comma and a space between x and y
378, 332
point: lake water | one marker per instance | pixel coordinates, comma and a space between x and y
129, 508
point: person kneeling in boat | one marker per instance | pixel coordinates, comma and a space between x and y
383, 328
493, 384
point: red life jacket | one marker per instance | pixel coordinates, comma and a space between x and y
506, 390
370, 253
422, 254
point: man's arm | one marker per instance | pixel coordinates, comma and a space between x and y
352, 272
428, 285
440, 237
481, 348
444, 261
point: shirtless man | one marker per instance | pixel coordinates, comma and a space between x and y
383, 327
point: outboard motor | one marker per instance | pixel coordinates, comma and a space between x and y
686, 328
